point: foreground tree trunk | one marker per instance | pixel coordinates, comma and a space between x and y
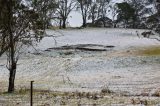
11, 50
12, 77
12, 63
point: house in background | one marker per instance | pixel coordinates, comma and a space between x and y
104, 22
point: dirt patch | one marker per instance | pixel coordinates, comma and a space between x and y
83, 47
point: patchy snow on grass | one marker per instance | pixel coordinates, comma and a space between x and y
119, 69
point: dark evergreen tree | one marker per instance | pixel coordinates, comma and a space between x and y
126, 13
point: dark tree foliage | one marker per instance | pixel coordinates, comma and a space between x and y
126, 12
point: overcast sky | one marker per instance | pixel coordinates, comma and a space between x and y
75, 19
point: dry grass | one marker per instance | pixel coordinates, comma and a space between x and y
56, 98
150, 51
145, 51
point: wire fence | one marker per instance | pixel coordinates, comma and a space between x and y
105, 97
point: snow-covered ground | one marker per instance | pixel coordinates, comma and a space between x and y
121, 68
120, 38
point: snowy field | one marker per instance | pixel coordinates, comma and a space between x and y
124, 67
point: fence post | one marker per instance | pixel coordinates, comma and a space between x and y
31, 93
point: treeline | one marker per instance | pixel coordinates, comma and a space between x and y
128, 14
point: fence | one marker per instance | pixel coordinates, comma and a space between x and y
39, 97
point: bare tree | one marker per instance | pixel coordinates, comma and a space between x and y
102, 9
20, 25
64, 9
84, 5
114, 12
93, 11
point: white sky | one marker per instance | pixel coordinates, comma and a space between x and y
75, 19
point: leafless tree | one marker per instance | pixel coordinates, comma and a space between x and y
102, 9
64, 9
114, 12
84, 5
20, 24
93, 11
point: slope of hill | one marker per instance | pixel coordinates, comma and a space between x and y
129, 63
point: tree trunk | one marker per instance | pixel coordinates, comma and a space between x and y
64, 24
104, 23
60, 24
126, 23
12, 62
12, 77
84, 23
93, 19
113, 25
